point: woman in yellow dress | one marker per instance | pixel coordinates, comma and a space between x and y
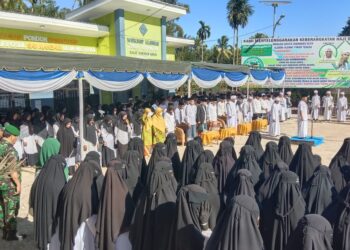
158, 125
147, 131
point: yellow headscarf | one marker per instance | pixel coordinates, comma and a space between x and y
147, 121
158, 120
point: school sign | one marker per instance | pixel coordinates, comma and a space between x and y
310, 62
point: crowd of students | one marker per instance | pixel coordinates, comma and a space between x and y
258, 199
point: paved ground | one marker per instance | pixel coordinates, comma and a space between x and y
333, 132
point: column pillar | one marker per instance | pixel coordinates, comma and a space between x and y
119, 32
163, 27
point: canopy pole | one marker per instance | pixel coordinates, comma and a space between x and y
81, 117
247, 89
189, 88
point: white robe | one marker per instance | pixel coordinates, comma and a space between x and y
169, 122
231, 111
289, 107
342, 109
247, 111
328, 105
191, 114
283, 108
302, 120
212, 113
275, 128
315, 106
256, 106
221, 109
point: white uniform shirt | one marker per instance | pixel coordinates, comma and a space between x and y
190, 114
169, 122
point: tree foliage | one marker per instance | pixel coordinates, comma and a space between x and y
346, 29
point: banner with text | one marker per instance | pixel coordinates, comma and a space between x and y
309, 62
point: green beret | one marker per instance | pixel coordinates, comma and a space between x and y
11, 130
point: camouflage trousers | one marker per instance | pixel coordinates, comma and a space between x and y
9, 207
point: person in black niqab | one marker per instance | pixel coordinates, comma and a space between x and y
133, 164
193, 211
115, 212
192, 151
223, 163
237, 228
66, 138
303, 163
285, 149
137, 144
90, 134
153, 222
339, 217
241, 185
232, 141
79, 200
173, 154
339, 161
247, 160
288, 209
44, 196
313, 233
269, 159
159, 152
205, 177
254, 140
319, 192
205, 156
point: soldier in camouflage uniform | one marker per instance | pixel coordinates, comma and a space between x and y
10, 187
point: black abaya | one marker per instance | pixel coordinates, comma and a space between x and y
288, 209
223, 163
193, 210
78, 201
254, 140
269, 159
173, 154
313, 233
115, 212
153, 222
159, 152
133, 164
206, 178
44, 196
192, 151
285, 149
66, 138
237, 228
205, 156
303, 163
137, 144
319, 192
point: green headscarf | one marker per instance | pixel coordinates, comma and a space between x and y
51, 146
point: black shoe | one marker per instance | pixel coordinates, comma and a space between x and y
13, 236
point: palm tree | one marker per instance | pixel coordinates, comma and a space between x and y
259, 36
238, 12
223, 49
203, 34
13, 5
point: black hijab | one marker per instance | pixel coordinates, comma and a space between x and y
339, 161
193, 210
78, 201
90, 130
254, 140
247, 160
200, 141
285, 149
342, 220
303, 163
288, 209
232, 141
223, 163
108, 124
206, 178
173, 154
242, 184
319, 191
192, 151
44, 196
115, 212
237, 228
159, 152
121, 124
66, 138
137, 122
205, 156
39, 125
269, 159
153, 222
133, 169
28, 123
136, 144
313, 233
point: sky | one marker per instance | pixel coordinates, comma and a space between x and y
302, 18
